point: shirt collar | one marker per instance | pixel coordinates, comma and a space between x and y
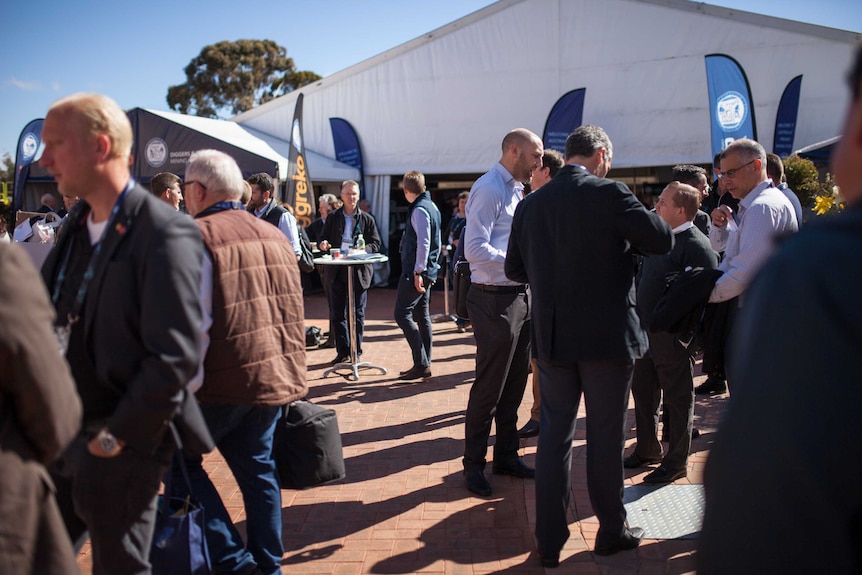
683, 227
752, 195
509, 178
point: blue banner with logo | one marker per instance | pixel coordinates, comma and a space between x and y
785, 118
731, 108
566, 115
299, 192
347, 148
29, 150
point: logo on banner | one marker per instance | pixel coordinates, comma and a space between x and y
730, 111
156, 152
29, 145
296, 135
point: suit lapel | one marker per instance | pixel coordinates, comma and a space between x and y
115, 234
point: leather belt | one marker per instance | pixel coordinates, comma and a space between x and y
501, 289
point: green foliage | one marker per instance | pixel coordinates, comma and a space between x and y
7, 168
802, 178
229, 78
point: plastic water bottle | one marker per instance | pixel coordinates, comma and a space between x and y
360, 242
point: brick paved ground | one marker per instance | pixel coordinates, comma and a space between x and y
403, 507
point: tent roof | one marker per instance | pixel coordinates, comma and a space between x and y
442, 102
320, 167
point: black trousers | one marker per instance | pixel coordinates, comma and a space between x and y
501, 326
112, 498
667, 369
605, 386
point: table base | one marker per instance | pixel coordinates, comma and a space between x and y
354, 368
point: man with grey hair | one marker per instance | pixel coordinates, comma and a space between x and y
124, 279
585, 330
500, 313
748, 238
253, 345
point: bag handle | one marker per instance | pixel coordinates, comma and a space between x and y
164, 506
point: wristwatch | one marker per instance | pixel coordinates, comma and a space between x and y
107, 441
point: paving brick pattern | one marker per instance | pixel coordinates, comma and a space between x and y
403, 507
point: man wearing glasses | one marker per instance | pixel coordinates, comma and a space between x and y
747, 239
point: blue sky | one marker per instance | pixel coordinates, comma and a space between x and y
133, 51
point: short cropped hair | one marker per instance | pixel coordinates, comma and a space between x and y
586, 141
414, 182
747, 149
553, 160
686, 197
775, 168
464, 195
218, 172
688, 174
163, 181
263, 181
98, 115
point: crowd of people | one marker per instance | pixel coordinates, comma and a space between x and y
155, 336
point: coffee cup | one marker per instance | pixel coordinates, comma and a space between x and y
335, 253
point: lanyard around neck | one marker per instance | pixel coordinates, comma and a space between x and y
91, 266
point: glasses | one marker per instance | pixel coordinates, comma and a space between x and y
730, 174
190, 182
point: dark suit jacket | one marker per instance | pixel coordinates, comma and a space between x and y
142, 319
572, 241
333, 229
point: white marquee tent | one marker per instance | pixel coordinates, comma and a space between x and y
441, 103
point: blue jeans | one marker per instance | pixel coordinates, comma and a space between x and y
243, 435
414, 319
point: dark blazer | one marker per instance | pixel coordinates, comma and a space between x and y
573, 241
142, 319
333, 229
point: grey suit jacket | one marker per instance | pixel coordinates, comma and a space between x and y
142, 319
573, 241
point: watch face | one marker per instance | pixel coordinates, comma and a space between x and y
107, 441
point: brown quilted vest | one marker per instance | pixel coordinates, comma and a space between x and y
257, 340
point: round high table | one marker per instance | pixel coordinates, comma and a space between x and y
354, 365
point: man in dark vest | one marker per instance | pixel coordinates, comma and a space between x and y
264, 206
420, 249
254, 361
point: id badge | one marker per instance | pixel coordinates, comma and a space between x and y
63, 333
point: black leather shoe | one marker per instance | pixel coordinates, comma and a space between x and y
476, 483
417, 372
550, 561
530, 429
664, 474
712, 386
340, 359
515, 468
629, 540
633, 461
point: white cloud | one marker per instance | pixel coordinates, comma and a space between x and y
25, 85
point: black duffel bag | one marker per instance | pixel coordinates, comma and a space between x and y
307, 446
